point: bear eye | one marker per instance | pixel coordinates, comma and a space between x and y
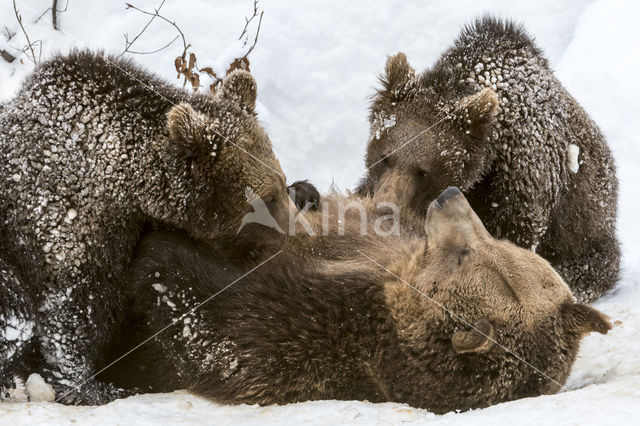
188, 154
423, 174
384, 160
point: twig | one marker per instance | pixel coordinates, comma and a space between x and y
9, 33
186, 64
54, 17
157, 14
180, 61
19, 18
255, 41
127, 43
242, 62
247, 21
153, 51
54, 12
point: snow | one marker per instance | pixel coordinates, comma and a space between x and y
574, 151
38, 390
17, 328
159, 288
316, 64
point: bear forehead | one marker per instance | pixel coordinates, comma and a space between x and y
501, 278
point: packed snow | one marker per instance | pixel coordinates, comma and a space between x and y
574, 152
316, 63
38, 390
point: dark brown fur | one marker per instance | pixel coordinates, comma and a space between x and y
323, 321
95, 151
491, 118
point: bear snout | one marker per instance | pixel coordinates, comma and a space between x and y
451, 220
395, 187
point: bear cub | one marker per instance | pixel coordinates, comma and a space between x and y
96, 151
491, 118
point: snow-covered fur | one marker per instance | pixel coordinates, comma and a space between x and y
17, 321
355, 317
491, 118
94, 150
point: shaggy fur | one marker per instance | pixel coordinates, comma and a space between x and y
94, 150
17, 320
491, 118
321, 321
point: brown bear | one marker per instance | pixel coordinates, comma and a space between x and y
17, 320
491, 118
451, 321
97, 150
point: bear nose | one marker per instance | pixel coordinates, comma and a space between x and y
446, 195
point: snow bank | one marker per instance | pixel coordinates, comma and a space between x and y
316, 63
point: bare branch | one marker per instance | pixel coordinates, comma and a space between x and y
242, 62
8, 33
255, 41
154, 51
157, 14
54, 17
247, 21
186, 64
128, 43
183, 67
54, 13
29, 44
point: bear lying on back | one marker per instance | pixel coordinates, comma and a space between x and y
491, 118
355, 317
94, 150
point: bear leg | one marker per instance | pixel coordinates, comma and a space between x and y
593, 272
77, 324
17, 328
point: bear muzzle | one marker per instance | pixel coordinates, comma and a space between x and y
451, 221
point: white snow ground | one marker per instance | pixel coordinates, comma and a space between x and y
316, 63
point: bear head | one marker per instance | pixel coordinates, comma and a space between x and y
483, 320
222, 167
425, 136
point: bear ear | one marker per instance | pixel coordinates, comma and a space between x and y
582, 319
191, 131
478, 113
398, 73
240, 87
478, 339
